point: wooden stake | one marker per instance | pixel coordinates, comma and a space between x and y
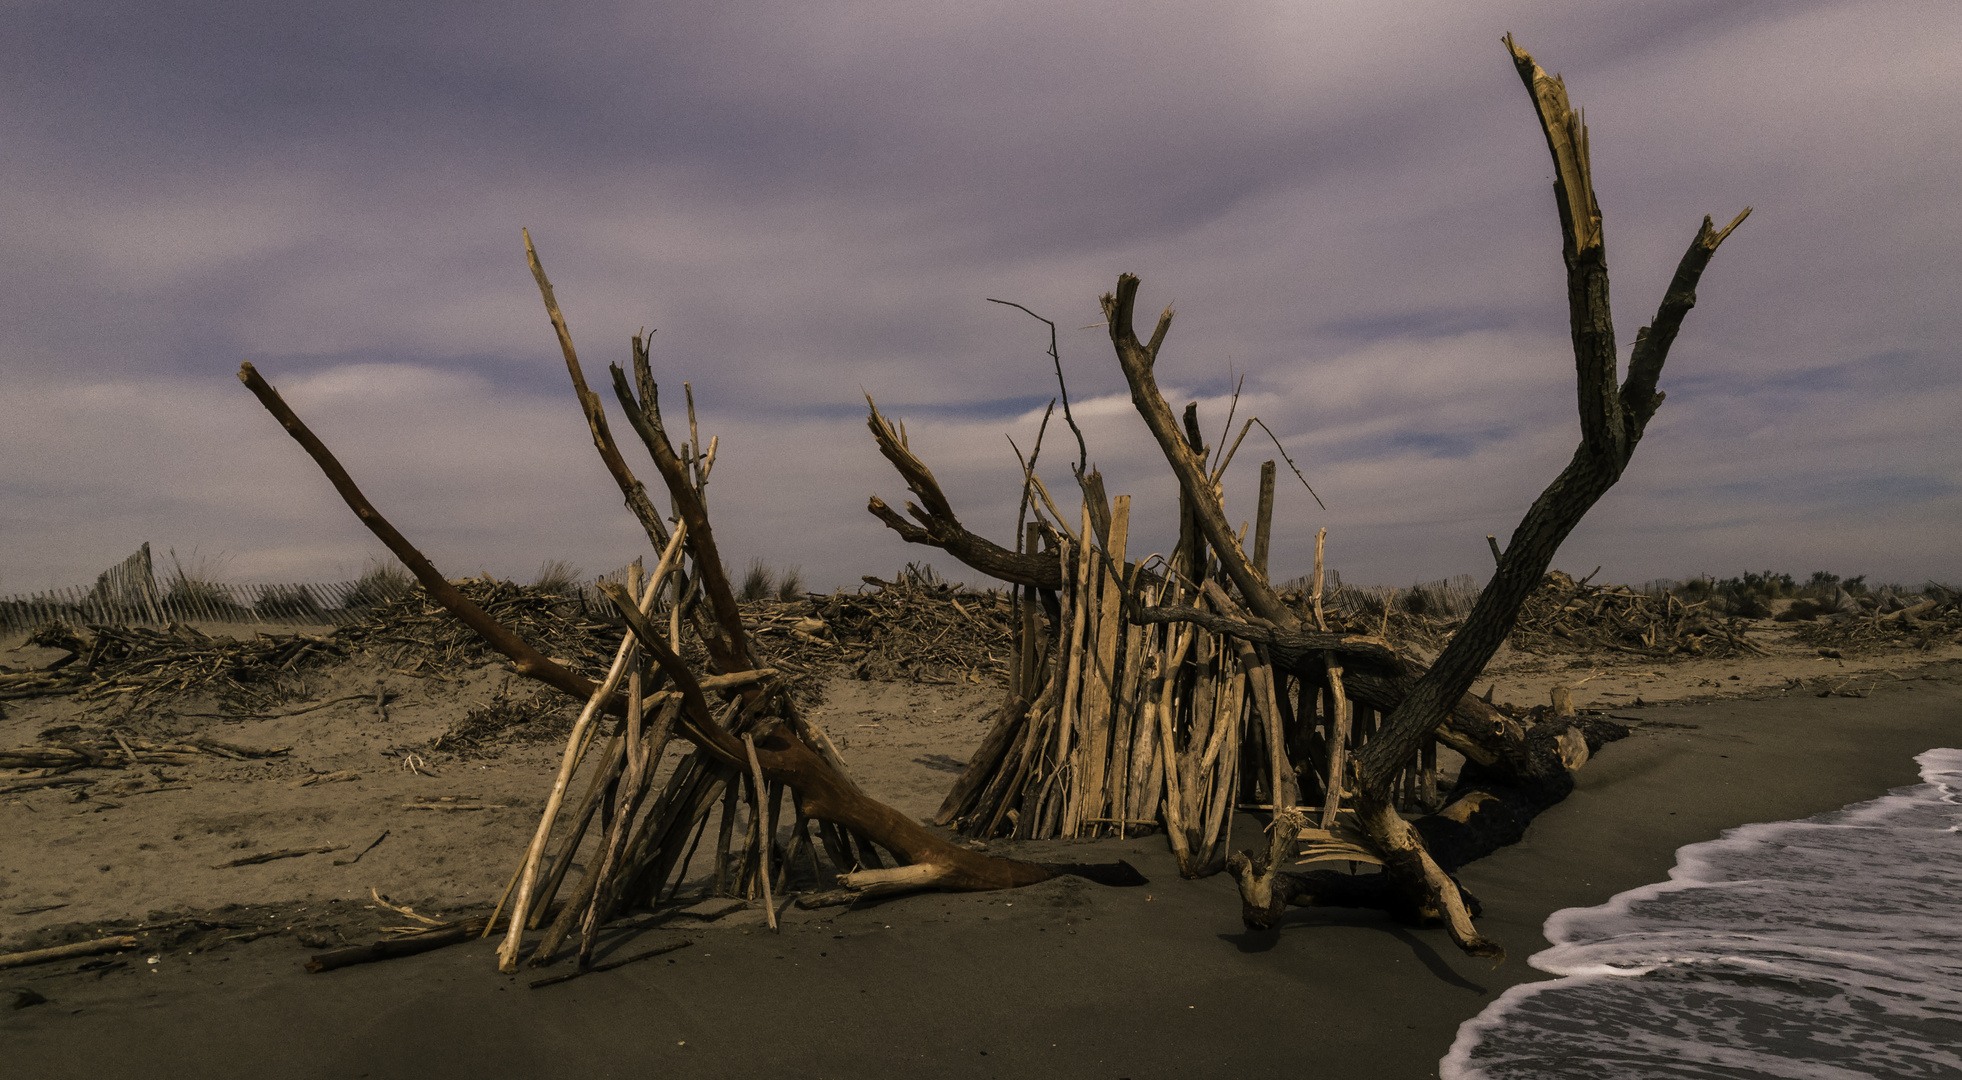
1336, 706
1098, 718
1264, 517
763, 849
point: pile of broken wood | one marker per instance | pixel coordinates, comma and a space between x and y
1913, 622
918, 628
66, 749
414, 634
1564, 615
136, 664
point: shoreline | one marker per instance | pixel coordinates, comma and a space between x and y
1062, 978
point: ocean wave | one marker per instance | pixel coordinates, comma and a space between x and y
1824, 948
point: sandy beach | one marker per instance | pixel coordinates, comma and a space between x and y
1066, 978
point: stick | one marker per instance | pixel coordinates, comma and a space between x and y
284, 853
763, 845
1264, 517
363, 851
403, 946
67, 952
507, 952
1337, 709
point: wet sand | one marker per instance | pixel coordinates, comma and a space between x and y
1062, 979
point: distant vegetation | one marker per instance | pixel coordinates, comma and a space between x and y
761, 583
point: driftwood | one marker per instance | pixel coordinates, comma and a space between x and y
436, 937
786, 750
67, 952
1402, 710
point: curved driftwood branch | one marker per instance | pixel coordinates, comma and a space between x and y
940, 527
529, 661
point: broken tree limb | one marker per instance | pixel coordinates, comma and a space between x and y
1612, 419
528, 661
940, 527
1187, 462
631, 488
1599, 459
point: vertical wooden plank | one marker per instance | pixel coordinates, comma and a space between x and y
1097, 694
1077, 564
1264, 517
1123, 719
1336, 704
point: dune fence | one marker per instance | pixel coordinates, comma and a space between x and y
129, 594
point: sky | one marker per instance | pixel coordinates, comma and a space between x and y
1348, 204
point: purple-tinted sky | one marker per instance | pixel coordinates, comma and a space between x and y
1349, 204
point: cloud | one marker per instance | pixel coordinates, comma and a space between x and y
1347, 204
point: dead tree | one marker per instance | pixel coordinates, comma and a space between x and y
1420, 704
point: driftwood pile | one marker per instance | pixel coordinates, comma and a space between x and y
136, 664
416, 635
1564, 615
1314, 687
63, 751
918, 628
1561, 616
1914, 622
1124, 716
751, 743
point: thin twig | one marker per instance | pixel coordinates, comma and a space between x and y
1289, 460
1082, 451
1231, 408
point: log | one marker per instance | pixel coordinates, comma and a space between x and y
67, 952
388, 949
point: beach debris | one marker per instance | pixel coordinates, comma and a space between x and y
283, 853
73, 746
134, 665
372, 845
1934, 617
68, 952
421, 941
340, 777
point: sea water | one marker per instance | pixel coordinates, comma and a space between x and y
1829, 947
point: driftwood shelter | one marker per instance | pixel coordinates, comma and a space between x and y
1156, 696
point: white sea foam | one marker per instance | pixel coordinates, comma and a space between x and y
1823, 948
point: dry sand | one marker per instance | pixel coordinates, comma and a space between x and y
1065, 978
